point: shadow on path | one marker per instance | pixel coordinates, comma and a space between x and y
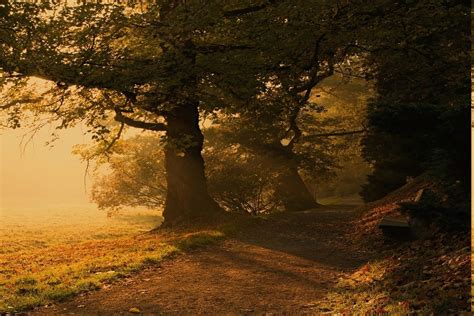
278, 265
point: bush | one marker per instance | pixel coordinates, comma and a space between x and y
448, 212
243, 184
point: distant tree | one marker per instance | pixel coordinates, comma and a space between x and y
269, 124
132, 175
326, 129
239, 180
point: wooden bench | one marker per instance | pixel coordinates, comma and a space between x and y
396, 228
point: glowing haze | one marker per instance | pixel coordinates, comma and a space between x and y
35, 176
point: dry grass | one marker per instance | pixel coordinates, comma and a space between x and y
50, 256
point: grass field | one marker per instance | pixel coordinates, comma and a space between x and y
52, 254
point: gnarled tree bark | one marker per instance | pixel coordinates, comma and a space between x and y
294, 193
187, 198
292, 190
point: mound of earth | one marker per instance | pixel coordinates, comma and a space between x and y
427, 276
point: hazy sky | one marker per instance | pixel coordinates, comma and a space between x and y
35, 176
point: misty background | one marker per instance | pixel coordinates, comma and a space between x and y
35, 176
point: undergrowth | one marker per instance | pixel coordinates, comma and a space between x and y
429, 276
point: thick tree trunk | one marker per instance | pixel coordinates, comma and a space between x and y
289, 186
293, 192
187, 197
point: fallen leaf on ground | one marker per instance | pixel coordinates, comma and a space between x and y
134, 310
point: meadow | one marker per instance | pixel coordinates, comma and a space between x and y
48, 255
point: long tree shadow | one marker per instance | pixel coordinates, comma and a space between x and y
270, 264
319, 235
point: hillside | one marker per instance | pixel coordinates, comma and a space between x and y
430, 275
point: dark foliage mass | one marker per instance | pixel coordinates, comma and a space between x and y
447, 215
411, 139
419, 121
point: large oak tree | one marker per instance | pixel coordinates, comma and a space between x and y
155, 67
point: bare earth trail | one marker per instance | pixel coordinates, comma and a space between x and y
280, 265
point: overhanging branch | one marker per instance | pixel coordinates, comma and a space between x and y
250, 9
116, 137
314, 80
18, 102
119, 117
340, 133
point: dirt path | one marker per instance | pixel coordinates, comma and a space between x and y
279, 266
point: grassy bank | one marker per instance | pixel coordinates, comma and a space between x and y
44, 263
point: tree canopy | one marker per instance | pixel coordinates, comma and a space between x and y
159, 65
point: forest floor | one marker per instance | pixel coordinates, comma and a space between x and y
331, 260
282, 264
